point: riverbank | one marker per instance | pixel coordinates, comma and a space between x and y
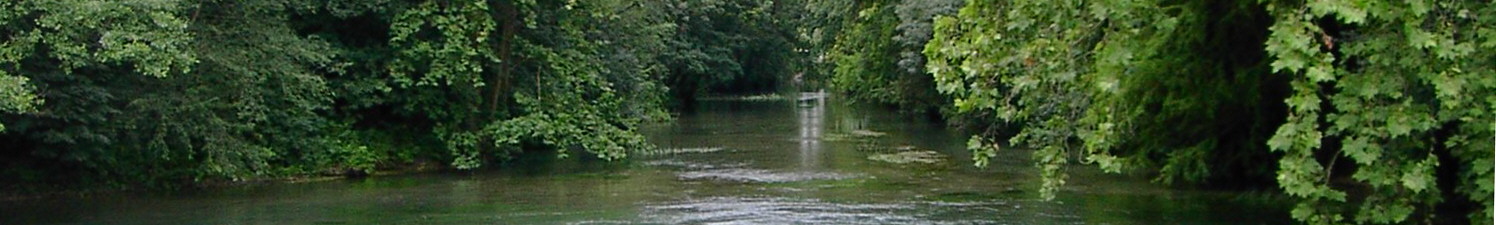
42, 191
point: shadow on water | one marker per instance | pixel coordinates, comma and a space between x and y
732, 161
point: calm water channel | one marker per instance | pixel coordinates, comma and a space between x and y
734, 162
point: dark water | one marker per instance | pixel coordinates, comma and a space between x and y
730, 162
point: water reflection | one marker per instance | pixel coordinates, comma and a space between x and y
812, 107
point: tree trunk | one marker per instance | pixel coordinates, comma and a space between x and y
507, 16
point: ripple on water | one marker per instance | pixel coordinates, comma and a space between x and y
774, 210
675, 151
693, 166
736, 210
759, 175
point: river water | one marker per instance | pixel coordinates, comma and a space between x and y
758, 161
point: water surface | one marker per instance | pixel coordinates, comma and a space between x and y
732, 162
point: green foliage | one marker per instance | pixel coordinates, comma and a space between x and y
566, 102
1391, 89
1398, 91
727, 47
1370, 112
821, 26
73, 52
865, 55
995, 58
455, 47
166, 92
16, 95
150, 35
877, 57
346, 154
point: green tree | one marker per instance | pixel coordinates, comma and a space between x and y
16, 93
728, 47
162, 92
878, 57
460, 65
1398, 90
73, 52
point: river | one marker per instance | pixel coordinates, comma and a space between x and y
757, 161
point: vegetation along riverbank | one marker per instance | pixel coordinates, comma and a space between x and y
1365, 112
